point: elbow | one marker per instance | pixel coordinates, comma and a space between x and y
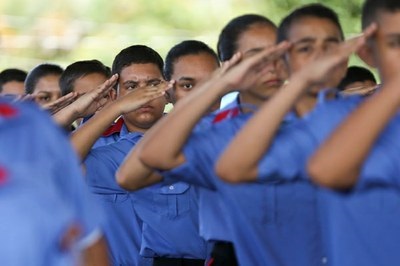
331, 178
157, 160
124, 181
233, 175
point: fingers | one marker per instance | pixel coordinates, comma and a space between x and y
109, 84
60, 103
370, 30
269, 55
231, 62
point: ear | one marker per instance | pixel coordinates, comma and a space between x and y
366, 55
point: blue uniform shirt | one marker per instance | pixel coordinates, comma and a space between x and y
162, 220
267, 222
64, 170
39, 200
360, 227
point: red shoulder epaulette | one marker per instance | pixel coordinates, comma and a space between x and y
114, 128
7, 111
226, 114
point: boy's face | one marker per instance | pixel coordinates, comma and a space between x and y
135, 77
47, 89
386, 45
13, 88
255, 39
312, 37
90, 82
190, 71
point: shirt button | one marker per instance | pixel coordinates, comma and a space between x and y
324, 260
171, 187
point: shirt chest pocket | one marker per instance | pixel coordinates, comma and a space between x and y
172, 200
258, 202
113, 198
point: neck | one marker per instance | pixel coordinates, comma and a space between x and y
305, 105
249, 99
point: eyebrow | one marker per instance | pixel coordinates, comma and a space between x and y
392, 35
254, 50
186, 79
130, 82
332, 39
305, 40
311, 39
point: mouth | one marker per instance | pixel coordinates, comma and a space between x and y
273, 82
145, 108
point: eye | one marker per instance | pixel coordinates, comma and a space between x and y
394, 42
131, 87
154, 83
331, 46
44, 98
187, 86
304, 49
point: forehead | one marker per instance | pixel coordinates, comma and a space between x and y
138, 72
388, 22
48, 83
312, 27
89, 82
255, 37
192, 65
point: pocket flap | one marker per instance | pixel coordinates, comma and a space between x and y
175, 188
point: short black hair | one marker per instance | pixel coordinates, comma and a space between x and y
230, 34
188, 47
311, 10
81, 69
38, 72
136, 54
354, 74
372, 7
11, 74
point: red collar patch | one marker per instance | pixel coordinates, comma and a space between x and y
114, 128
7, 111
226, 114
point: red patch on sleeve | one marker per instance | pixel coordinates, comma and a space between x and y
7, 111
3, 176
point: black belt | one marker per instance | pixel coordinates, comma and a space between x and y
177, 262
223, 254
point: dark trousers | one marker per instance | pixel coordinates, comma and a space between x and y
177, 262
223, 254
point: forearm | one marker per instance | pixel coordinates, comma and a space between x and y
133, 174
65, 117
164, 142
338, 161
85, 136
239, 161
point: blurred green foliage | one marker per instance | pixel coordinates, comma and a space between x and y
32, 32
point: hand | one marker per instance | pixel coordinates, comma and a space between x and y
60, 103
243, 74
141, 96
94, 100
361, 90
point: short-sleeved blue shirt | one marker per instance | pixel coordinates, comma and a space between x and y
160, 221
42, 169
359, 226
266, 222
